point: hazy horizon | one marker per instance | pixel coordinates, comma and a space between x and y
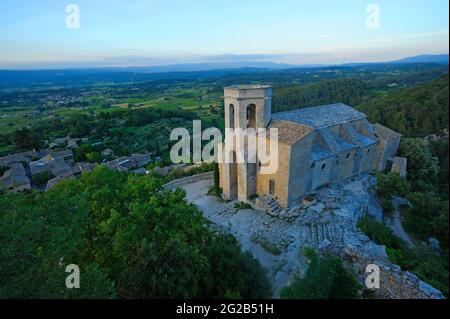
156, 33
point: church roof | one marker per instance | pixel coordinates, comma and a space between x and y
357, 138
318, 153
321, 116
385, 133
336, 144
289, 132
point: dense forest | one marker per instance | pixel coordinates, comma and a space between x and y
348, 91
414, 112
130, 238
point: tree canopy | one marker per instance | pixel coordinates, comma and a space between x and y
326, 278
130, 238
414, 112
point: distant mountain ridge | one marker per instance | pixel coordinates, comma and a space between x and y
425, 58
442, 59
85, 76
198, 67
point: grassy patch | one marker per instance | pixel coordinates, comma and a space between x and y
241, 205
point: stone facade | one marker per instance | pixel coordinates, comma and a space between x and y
316, 146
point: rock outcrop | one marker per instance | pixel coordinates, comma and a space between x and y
326, 222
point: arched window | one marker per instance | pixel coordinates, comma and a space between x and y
251, 116
323, 166
231, 116
347, 156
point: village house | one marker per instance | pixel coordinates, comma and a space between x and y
107, 152
126, 163
54, 166
23, 157
80, 168
15, 178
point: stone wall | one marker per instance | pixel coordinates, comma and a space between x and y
346, 164
188, 180
367, 159
399, 165
386, 149
394, 283
299, 173
281, 177
322, 172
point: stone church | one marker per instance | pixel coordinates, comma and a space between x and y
316, 146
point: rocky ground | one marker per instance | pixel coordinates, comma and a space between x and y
328, 224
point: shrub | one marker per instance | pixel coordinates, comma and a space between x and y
93, 157
42, 178
379, 233
389, 184
180, 173
130, 237
326, 278
242, 205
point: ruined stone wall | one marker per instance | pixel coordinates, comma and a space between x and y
386, 149
394, 283
188, 180
399, 165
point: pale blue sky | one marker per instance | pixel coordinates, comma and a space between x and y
154, 32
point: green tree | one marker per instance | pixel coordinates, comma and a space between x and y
423, 167
42, 178
130, 237
415, 111
80, 153
439, 149
326, 278
93, 157
389, 184
25, 139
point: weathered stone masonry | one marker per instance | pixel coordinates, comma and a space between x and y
316, 146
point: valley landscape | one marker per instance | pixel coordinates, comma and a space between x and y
88, 180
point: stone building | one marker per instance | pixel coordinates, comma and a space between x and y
316, 146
